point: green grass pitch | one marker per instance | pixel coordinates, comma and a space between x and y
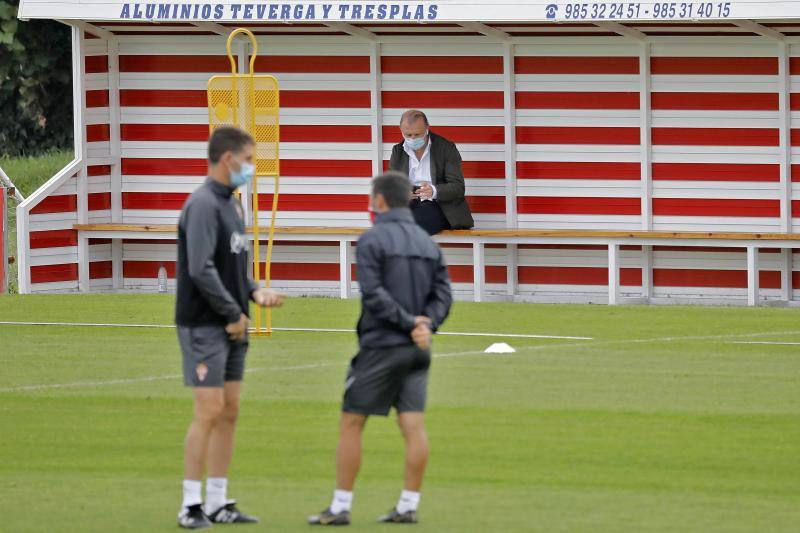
661, 423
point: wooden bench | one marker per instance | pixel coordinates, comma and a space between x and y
479, 238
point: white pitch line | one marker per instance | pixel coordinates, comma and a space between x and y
591, 345
146, 379
308, 330
582, 345
89, 383
516, 336
88, 325
767, 343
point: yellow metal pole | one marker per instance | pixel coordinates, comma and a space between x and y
248, 115
271, 238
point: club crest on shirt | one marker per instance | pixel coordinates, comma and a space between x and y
238, 243
202, 371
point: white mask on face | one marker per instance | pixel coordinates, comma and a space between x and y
417, 143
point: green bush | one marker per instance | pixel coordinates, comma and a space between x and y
35, 84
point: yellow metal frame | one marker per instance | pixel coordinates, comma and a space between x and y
247, 103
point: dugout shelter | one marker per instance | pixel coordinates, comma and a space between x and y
613, 152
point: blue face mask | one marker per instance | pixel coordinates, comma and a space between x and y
243, 176
416, 144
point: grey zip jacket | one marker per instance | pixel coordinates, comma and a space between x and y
402, 275
213, 283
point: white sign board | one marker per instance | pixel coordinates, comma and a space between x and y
405, 11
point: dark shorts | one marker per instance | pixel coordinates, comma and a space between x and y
210, 358
382, 378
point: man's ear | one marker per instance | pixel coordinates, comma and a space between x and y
379, 204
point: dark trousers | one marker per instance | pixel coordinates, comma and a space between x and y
429, 216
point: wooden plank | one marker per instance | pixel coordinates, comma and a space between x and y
156, 228
510, 233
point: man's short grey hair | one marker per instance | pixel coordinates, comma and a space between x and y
413, 115
394, 187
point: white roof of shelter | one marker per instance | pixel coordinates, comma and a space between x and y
242, 12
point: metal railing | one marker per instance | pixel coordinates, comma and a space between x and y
10, 184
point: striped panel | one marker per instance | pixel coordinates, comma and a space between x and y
715, 141
577, 141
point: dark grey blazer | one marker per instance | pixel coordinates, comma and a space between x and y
447, 177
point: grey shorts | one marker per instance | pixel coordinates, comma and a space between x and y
210, 358
382, 378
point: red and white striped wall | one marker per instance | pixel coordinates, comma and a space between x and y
570, 132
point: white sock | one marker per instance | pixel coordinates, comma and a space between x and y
342, 501
409, 501
216, 493
192, 492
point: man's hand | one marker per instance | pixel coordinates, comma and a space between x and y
237, 331
422, 333
422, 336
268, 298
425, 192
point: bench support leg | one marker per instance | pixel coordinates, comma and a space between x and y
345, 274
752, 276
786, 274
83, 264
613, 274
116, 264
512, 277
478, 270
647, 273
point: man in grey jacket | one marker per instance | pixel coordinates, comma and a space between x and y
405, 297
212, 312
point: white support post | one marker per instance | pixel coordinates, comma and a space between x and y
787, 261
785, 133
115, 152
478, 270
114, 120
377, 108
645, 137
752, 276
512, 272
79, 93
647, 273
510, 119
83, 178
83, 218
23, 250
613, 273
345, 274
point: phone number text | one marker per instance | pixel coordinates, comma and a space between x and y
658, 10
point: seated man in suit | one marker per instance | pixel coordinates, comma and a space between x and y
433, 165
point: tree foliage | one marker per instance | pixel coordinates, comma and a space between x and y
35, 84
